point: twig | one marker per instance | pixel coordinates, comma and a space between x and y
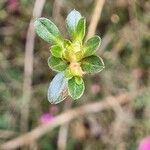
28, 65
62, 137
63, 131
95, 17
56, 14
67, 117
4, 134
107, 38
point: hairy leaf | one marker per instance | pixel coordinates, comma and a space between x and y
80, 30
75, 89
56, 51
68, 73
72, 21
57, 91
47, 30
92, 64
91, 45
57, 64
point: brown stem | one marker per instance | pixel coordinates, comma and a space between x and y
95, 17
28, 65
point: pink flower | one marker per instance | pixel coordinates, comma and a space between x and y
46, 118
145, 144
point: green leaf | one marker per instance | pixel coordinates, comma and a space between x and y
80, 30
91, 45
67, 43
78, 80
72, 21
68, 73
92, 64
75, 90
47, 30
56, 51
57, 90
57, 64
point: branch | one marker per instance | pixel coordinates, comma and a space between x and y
63, 131
66, 117
28, 65
95, 17
4, 134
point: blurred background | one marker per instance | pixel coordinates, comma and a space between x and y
123, 26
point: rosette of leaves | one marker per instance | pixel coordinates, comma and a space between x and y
71, 58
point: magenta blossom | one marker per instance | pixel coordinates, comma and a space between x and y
145, 144
46, 118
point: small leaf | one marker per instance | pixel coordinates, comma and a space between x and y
80, 30
75, 90
57, 64
47, 30
91, 45
57, 89
78, 80
72, 21
56, 51
92, 64
67, 43
68, 73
